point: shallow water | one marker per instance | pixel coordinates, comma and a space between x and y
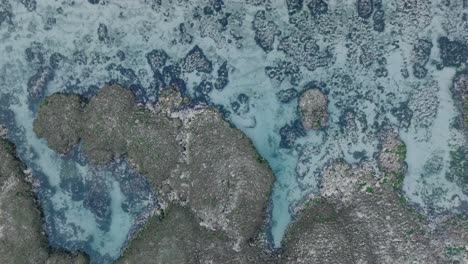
134, 28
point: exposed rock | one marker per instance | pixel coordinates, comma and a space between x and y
21, 234
313, 109
176, 237
391, 157
359, 219
227, 184
62, 135
191, 156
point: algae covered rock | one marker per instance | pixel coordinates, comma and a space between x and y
21, 236
191, 156
313, 109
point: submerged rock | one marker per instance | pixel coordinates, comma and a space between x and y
196, 60
313, 109
37, 84
318, 7
156, 59
452, 52
21, 236
365, 8
265, 31
360, 218
192, 157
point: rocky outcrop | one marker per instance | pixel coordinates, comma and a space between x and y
192, 157
391, 157
359, 219
313, 109
21, 236
63, 136
177, 237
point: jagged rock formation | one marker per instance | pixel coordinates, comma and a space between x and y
191, 156
22, 239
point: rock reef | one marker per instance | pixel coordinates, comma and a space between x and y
199, 165
215, 187
21, 236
